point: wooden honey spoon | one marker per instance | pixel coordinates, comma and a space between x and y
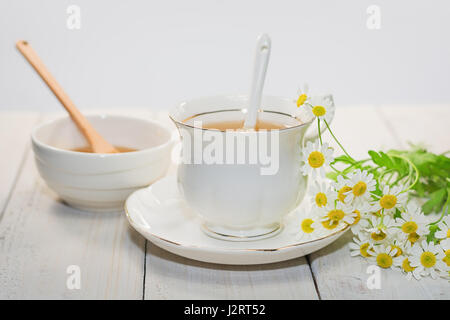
95, 140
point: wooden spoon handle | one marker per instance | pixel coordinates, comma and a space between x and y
98, 144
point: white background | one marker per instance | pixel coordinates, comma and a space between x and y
155, 53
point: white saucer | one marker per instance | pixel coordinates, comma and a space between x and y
160, 214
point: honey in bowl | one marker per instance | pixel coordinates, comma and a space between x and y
88, 149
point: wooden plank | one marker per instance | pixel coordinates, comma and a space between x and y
340, 276
15, 129
41, 237
172, 277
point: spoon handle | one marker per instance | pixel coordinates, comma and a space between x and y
262, 56
98, 144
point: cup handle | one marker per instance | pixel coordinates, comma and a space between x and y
313, 132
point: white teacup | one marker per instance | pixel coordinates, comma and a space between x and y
242, 201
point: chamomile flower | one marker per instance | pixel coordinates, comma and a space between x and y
427, 258
342, 187
386, 230
322, 107
384, 256
321, 194
315, 158
400, 246
359, 214
391, 199
361, 247
381, 228
445, 245
361, 184
303, 96
410, 238
333, 214
353, 217
309, 227
412, 221
402, 262
405, 266
444, 229
360, 227
365, 209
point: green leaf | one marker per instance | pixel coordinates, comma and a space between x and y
332, 175
387, 161
376, 158
436, 201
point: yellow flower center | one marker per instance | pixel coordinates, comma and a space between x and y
363, 250
341, 195
447, 257
413, 237
359, 189
388, 201
306, 225
384, 260
428, 259
357, 218
321, 199
406, 266
336, 215
378, 236
301, 100
319, 111
330, 224
409, 227
399, 251
316, 159
448, 233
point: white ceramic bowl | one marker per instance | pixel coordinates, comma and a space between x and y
101, 182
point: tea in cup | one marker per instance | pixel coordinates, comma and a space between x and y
241, 182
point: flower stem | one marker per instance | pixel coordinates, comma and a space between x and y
398, 180
412, 166
338, 171
318, 128
332, 167
444, 212
340, 145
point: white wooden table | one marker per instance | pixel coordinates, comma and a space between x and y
40, 236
